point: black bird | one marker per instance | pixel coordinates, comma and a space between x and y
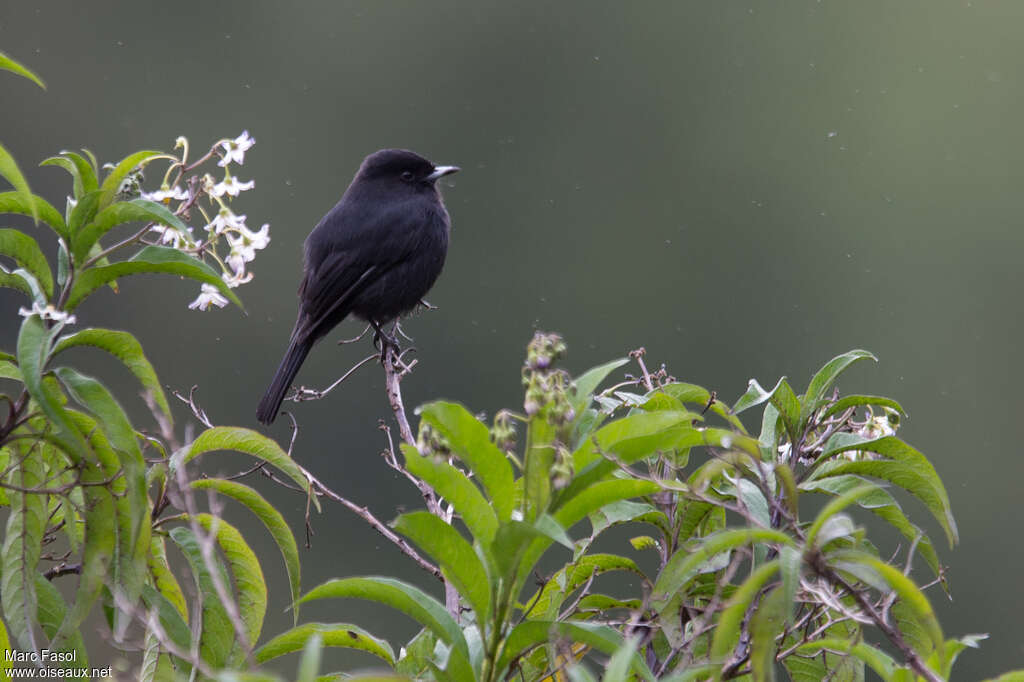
374, 255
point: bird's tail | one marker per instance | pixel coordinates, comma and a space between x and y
293, 358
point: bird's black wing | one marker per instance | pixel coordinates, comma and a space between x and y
326, 294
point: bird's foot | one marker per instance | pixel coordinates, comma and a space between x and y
385, 342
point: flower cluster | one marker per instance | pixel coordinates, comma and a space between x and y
228, 243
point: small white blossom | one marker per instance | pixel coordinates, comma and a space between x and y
226, 220
231, 185
71, 204
166, 193
209, 296
245, 243
240, 276
234, 150
48, 312
174, 236
182, 141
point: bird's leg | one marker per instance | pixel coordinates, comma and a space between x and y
384, 341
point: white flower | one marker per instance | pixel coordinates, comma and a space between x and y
48, 312
234, 150
209, 296
173, 236
231, 185
226, 220
166, 193
182, 141
245, 243
240, 276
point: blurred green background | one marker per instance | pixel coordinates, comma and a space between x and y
744, 188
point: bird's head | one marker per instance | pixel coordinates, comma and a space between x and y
402, 166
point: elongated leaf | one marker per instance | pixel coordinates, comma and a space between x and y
83, 212
26, 252
457, 489
217, 639
135, 210
880, 502
585, 384
9, 64
334, 634
877, 660
470, 441
849, 401
684, 565
164, 580
9, 171
531, 633
247, 441
50, 611
728, 628
619, 434
21, 548
754, 396
908, 592
766, 623
78, 187
250, 585
116, 176
546, 604
404, 597
32, 205
86, 171
904, 466
126, 348
825, 377
270, 517
700, 396
152, 259
455, 555
169, 617
834, 507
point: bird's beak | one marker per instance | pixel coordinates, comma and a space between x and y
441, 171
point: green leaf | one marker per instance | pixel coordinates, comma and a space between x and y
700, 396
686, 564
754, 396
834, 507
32, 205
26, 253
457, 489
217, 634
904, 466
849, 401
247, 577
22, 546
585, 384
165, 581
155, 259
531, 633
877, 660
135, 210
78, 189
169, 616
9, 170
470, 441
116, 176
247, 441
50, 612
825, 377
126, 348
766, 624
881, 503
83, 212
9, 64
458, 561
5, 644
404, 597
621, 434
334, 634
727, 631
271, 518
908, 592
546, 604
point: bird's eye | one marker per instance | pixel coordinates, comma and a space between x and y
407, 175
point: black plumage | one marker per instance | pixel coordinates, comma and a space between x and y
374, 255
